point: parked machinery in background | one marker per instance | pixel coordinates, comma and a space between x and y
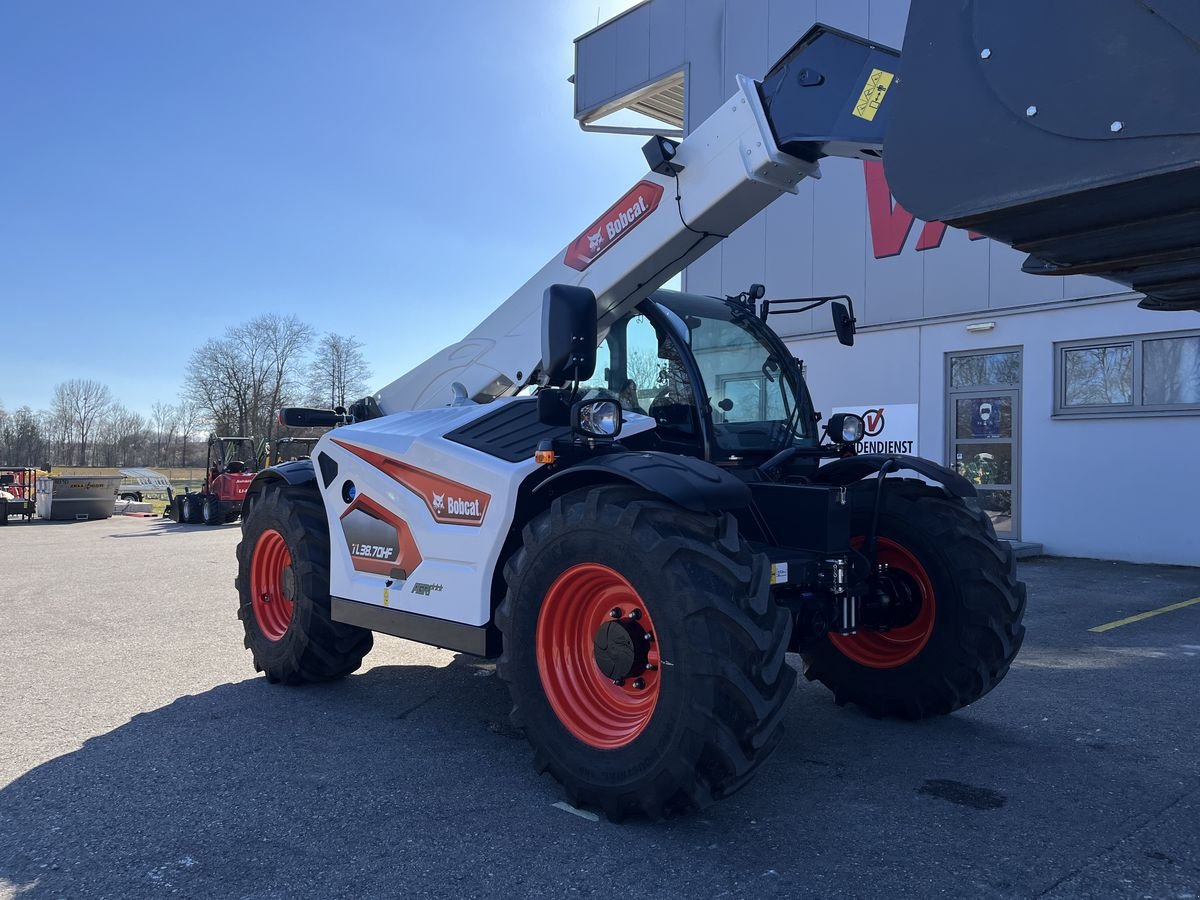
18, 493
289, 449
231, 465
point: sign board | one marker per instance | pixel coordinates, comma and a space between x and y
890, 427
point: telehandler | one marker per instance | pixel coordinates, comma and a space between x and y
588, 490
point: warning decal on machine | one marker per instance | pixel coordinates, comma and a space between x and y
872, 94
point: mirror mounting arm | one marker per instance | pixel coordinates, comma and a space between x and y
844, 322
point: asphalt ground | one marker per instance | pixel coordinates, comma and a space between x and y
141, 756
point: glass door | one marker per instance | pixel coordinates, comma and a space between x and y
984, 431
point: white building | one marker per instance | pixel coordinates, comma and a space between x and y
1076, 412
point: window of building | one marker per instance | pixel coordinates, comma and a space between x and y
991, 367
1141, 374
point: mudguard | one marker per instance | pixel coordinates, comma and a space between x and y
691, 483
846, 471
297, 471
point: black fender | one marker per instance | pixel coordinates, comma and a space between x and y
691, 483
843, 472
297, 471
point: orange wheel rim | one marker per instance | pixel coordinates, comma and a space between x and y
897, 646
272, 584
598, 656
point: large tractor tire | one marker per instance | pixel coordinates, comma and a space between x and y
643, 652
964, 604
210, 511
189, 512
283, 589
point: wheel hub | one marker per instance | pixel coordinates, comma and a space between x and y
288, 583
899, 599
621, 649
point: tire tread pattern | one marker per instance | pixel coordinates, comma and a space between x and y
315, 647
738, 636
988, 627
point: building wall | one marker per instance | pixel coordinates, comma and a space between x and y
1088, 487
1109, 488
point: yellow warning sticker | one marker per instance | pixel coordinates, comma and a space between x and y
872, 94
385, 596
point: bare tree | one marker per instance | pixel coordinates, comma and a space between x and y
239, 380
338, 373
189, 417
55, 425
286, 338
120, 437
164, 422
81, 402
23, 438
646, 370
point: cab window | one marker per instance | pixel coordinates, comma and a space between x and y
641, 366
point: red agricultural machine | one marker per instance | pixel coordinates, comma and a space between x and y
230, 468
18, 490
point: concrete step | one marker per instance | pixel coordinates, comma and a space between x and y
1025, 549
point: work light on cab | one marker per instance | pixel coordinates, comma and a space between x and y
597, 418
845, 428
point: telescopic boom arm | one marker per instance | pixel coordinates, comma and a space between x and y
821, 99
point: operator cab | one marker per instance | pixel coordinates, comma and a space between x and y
719, 384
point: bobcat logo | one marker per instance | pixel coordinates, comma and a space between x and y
594, 241
439, 503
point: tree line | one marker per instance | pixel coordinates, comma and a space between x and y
233, 386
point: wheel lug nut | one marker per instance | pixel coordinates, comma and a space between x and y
649, 636
635, 614
651, 667
638, 683
619, 682
615, 612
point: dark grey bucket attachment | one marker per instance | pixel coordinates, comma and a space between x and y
1067, 129
830, 95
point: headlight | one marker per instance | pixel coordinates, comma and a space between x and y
845, 428
598, 418
852, 429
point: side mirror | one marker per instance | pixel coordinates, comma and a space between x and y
843, 323
568, 334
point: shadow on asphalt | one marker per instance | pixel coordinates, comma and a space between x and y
169, 528
238, 788
251, 771
409, 780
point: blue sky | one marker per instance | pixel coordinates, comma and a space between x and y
391, 170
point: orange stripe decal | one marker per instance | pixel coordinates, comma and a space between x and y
449, 502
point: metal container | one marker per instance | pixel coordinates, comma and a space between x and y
77, 497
